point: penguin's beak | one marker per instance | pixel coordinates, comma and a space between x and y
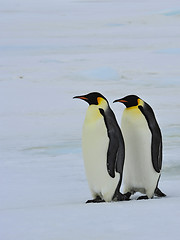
120, 100
81, 97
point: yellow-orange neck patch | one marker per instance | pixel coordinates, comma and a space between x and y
102, 103
140, 102
99, 100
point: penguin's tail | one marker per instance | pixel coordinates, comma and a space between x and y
158, 193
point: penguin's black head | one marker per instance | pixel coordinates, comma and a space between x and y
92, 98
129, 101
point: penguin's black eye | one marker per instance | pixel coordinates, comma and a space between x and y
131, 101
92, 101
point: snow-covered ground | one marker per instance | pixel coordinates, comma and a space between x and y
52, 51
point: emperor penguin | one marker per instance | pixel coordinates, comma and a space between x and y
143, 148
103, 150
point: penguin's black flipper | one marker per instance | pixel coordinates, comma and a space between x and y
116, 150
156, 144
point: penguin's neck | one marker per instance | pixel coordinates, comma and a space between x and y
93, 113
133, 115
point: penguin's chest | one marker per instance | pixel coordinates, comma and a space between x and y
135, 131
137, 136
95, 144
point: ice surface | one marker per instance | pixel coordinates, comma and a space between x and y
52, 51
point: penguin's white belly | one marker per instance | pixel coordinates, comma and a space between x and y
95, 144
139, 174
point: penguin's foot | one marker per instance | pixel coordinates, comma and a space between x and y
158, 193
142, 197
96, 200
127, 195
121, 197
